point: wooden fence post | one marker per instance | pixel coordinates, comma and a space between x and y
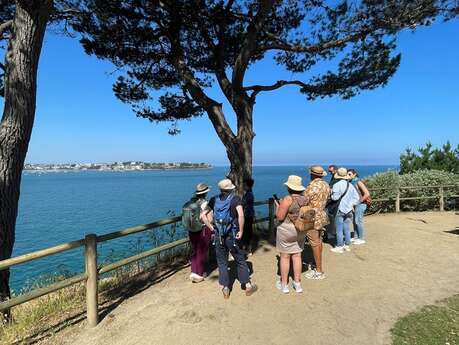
92, 304
397, 201
442, 200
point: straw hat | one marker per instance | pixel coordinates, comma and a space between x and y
226, 184
202, 188
341, 174
317, 170
295, 183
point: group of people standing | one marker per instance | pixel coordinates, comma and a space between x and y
351, 204
335, 205
226, 220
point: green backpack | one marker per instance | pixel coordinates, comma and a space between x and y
191, 212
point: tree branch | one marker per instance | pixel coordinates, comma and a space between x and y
250, 42
219, 51
317, 48
212, 107
277, 85
4, 27
65, 14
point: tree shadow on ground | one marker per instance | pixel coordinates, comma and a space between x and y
142, 282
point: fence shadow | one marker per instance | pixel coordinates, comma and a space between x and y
112, 298
453, 231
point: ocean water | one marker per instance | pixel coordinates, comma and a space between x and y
58, 207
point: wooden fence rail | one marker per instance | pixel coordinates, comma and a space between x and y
397, 198
92, 271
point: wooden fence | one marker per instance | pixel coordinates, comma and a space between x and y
397, 196
92, 271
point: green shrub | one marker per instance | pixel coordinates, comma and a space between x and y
385, 186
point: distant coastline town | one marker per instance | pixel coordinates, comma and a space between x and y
116, 166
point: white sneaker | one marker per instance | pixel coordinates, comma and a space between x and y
310, 273
338, 250
359, 241
347, 248
354, 239
318, 276
196, 278
297, 287
283, 288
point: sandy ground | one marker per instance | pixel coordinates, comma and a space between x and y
410, 260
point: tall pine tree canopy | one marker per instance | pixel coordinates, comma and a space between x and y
182, 47
445, 158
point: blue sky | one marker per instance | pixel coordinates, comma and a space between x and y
79, 120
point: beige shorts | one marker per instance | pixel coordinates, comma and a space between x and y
314, 237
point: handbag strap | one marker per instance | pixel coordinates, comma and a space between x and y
342, 195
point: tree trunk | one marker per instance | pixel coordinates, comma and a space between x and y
240, 157
21, 64
240, 152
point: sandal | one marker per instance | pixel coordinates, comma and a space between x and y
249, 291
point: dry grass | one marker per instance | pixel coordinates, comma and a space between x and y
39, 319
38, 316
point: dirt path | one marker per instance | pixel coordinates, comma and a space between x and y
410, 260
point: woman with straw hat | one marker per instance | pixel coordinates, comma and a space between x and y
199, 233
289, 242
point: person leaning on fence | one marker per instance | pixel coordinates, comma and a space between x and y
317, 194
360, 208
199, 233
290, 242
346, 198
227, 214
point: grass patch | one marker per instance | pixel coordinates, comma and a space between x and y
432, 325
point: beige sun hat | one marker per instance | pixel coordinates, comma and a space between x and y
202, 188
295, 183
341, 174
226, 184
317, 170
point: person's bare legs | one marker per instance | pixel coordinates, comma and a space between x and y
284, 268
297, 266
317, 253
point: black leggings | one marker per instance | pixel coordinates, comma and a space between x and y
248, 231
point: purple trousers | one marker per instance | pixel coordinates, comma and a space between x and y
200, 242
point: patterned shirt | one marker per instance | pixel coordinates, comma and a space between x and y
316, 194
